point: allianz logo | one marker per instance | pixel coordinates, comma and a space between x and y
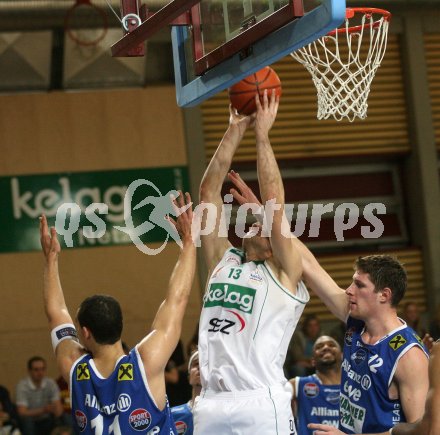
230, 296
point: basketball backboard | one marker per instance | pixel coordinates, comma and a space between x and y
219, 42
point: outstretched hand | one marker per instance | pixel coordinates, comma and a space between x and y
244, 194
428, 341
266, 113
187, 223
48, 239
324, 429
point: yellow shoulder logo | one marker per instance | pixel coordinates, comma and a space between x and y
397, 342
82, 372
125, 372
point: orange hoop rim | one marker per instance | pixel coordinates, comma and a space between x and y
72, 35
350, 13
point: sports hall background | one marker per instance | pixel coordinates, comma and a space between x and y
126, 117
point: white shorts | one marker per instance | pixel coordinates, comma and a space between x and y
266, 411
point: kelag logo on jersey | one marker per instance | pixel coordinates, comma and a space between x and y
140, 419
81, 420
181, 427
311, 389
230, 296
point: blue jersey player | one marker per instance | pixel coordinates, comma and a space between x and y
385, 365
115, 393
315, 398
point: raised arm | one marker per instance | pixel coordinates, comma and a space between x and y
67, 351
211, 185
321, 283
156, 348
429, 424
272, 189
316, 278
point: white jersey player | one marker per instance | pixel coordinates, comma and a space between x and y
247, 321
252, 302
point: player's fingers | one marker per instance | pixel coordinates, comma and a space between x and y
277, 102
189, 211
54, 239
320, 429
171, 220
236, 179
43, 225
240, 183
272, 97
181, 199
265, 99
41, 229
240, 198
174, 204
178, 203
257, 101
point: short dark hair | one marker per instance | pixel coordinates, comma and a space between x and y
31, 361
103, 316
385, 271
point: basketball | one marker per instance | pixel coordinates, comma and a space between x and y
242, 94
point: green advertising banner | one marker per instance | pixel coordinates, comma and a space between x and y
89, 208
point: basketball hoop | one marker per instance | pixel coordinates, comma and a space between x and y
344, 62
83, 38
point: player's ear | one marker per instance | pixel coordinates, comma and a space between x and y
386, 295
86, 333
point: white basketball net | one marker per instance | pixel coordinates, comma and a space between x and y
343, 64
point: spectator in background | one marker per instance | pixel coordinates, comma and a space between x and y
65, 400
434, 325
315, 398
8, 414
338, 332
176, 379
38, 400
62, 430
182, 414
193, 344
411, 315
300, 352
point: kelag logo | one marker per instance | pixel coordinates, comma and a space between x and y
230, 296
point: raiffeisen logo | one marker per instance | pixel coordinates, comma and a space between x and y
230, 296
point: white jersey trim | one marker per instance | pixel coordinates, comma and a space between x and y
404, 351
71, 375
144, 377
399, 328
302, 295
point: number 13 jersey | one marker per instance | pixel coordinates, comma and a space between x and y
246, 324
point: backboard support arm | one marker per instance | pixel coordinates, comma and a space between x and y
149, 26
